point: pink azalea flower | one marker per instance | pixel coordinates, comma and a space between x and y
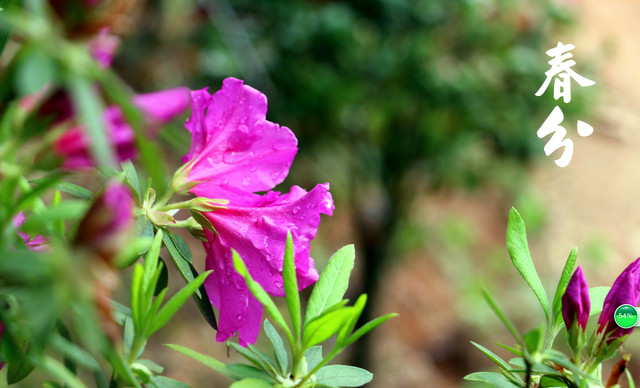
236, 152
158, 107
576, 303
625, 290
35, 243
258, 234
103, 47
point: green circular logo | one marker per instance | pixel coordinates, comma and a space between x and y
626, 316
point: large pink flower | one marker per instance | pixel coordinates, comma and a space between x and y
236, 152
158, 107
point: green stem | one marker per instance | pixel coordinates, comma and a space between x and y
172, 206
334, 352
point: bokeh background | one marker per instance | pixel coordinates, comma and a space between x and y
422, 116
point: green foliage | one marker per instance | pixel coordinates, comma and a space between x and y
308, 364
538, 362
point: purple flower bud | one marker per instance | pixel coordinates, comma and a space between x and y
108, 222
576, 304
625, 290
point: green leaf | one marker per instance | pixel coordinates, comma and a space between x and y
343, 376
234, 371
144, 228
250, 383
163, 279
181, 262
551, 382
70, 188
70, 209
367, 327
203, 302
313, 356
351, 323
131, 177
291, 285
562, 284
36, 70
89, 110
630, 379
260, 294
56, 368
17, 371
494, 379
332, 284
497, 360
172, 306
151, 263
534, 340
251, 356
282, 358
5, 32
325, 326
503, 318
521, 257
136, 294
597, 296
165, 382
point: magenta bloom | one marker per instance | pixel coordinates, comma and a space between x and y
158, 107
625, 290
108, 222
576, 303
35, 243
236, 152
103, 47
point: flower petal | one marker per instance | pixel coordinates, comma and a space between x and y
259, 234
239, 311
243, 152
163, 106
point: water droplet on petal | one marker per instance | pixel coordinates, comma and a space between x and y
246, 181
275, 175
240, 317
278, 283
254, 168
232, 157
281, 145
296, 210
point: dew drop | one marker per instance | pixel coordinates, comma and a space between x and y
275, 175
246, 181
296, 210
278, 283
240, 317
232, 157
254, 168
281, 145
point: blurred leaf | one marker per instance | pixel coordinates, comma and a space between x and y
278, 347
534, 340
70, 188
131, 177
495, 379
597, 296
630, 379
250, 383
17, 371
519, 251
69, 209
89, 110
562, 284
36, 70
333, 282
165, 382
503, 318
291, 285
5, 32
343, 376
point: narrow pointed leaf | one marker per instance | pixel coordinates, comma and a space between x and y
494, 379
282, 358
518, 248
291, 285
250, 356
313, 356
503, 318
172, 306
496, 359
562, 284
325, 326
367, 327
262, 296
251, 383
